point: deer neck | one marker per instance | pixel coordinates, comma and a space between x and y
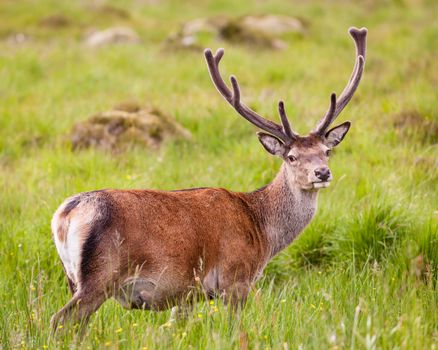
284, 210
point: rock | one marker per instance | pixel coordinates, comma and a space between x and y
114, 35
273, 24
263, 31
17, 38
126, 125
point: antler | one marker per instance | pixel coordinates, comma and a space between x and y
336, 106
285, 133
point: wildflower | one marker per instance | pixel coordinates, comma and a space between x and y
45, 346
120, 330
134, 325
199, 315
60, 326
211, 302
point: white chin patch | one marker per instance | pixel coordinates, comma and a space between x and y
318, 185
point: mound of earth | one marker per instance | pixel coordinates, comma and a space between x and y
124, 126
264, 31
114, 35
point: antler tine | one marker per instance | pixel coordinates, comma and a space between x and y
359, 37
285, 121
328, 117
233, 98
252, 116
349, 91
213, 64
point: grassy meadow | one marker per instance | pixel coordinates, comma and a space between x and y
364, 273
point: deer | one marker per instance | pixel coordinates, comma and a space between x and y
149, 248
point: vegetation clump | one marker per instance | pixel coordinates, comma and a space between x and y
415, 125
125, 125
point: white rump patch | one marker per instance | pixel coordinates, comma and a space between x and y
76, 226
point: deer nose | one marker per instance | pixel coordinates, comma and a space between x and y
322, 174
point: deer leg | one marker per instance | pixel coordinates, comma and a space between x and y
236, 294
234, 284
79, 308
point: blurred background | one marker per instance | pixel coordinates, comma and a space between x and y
116, 94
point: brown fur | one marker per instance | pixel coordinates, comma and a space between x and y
182, 221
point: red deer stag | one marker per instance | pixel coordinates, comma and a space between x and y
149, 248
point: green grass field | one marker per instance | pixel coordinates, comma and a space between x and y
364, 273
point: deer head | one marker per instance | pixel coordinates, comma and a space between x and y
305, 157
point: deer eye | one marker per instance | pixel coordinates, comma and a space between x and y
328, 152
292, 158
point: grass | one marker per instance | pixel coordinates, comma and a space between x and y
364, 272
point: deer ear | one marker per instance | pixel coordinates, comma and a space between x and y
272, 144
334, 136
